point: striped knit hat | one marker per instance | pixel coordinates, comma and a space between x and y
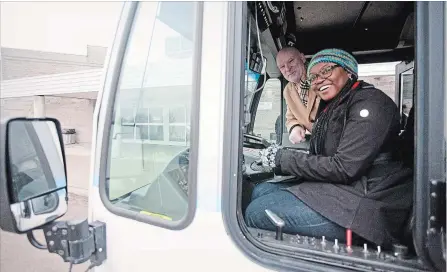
338, 56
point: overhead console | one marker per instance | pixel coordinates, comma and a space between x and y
274, 16
272, 20
372, 31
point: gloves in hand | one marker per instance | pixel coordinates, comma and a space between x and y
268, 155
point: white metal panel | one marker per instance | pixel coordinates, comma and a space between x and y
204, 245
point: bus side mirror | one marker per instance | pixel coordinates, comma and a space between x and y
33, 179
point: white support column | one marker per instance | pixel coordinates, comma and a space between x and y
39, 106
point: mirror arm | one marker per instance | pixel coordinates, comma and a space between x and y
33, 241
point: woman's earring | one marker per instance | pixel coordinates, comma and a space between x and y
350, 76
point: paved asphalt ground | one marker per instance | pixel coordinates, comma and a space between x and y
17, 254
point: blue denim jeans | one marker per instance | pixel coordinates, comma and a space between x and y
298, 217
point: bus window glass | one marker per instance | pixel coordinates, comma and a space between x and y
406, 87
268, 114
149, 152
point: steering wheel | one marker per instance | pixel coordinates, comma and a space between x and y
255, 142
252, 145
183, 162
177, 171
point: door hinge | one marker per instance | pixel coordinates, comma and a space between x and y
437, 202
435, 243
77, 241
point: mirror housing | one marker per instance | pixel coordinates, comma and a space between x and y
33, 179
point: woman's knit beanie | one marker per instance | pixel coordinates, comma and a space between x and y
338, 56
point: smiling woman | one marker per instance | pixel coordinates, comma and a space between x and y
329, 71
350, 176
329, 81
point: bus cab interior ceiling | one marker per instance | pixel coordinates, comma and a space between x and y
372, 31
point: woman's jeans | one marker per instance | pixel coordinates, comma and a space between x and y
298, 217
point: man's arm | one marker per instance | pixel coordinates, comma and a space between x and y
291, 121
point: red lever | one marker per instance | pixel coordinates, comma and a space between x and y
348, 237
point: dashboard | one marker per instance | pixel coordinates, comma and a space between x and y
252, 168
176, 172
168, 193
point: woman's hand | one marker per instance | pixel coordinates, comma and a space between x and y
268, 155
297, 135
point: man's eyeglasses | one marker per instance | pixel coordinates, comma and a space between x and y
324, 73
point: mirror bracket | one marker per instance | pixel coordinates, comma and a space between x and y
33, 241
76, 241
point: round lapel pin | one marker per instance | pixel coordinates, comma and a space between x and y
364, 113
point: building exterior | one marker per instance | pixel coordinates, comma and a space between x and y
62, 86
21, 63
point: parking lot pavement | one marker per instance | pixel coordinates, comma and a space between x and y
17, 254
